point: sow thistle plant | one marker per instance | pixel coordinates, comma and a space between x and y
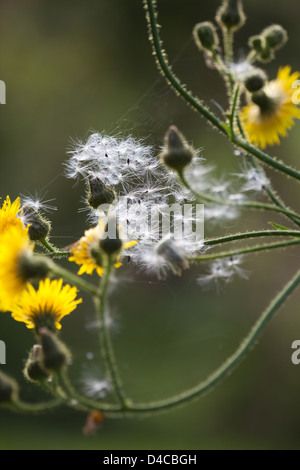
127, 182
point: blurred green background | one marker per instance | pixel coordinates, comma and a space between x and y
71, 67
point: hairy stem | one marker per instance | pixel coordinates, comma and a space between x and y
105, 338
246, 250
197, 105
232, 362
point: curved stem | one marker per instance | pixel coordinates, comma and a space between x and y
167, 72
233, 361
52, 250
269, 190
246, 250
105, 338
246, 235
201, 197
73, 279
197, 105
35, 407
265, 158
82, 400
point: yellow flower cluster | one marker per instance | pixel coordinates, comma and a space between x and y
45, 306
266, 121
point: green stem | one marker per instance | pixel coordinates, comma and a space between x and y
52, 250
246, 250
73, 279
265, 158
268, 188
232, 362
167, 72
82, 400
105, 338
35, 407
196, 104
201, 197
256, 234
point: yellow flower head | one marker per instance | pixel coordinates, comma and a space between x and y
272, 112
87, 252
9, 214
15, 250
46, 306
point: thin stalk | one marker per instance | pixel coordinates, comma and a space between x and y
197, 105
20, 405
268, 188
232, 362
105, 338
73, 278
167, 72
256, 234
246, 250
52, 250
201, 197
82, 400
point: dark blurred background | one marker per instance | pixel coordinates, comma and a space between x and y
71, 67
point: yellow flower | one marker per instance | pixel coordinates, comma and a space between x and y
9, 213
272, 111
15, 250
46, 306
87, 252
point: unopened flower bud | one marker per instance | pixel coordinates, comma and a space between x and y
177, 154
98, 192
265, 103
275, 36
8, 389
38, 226
110, 242
256, 43
174, 256
34, 370
55, 354
231, 14
255, 80
205, 36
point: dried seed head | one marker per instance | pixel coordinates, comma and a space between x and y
177, 154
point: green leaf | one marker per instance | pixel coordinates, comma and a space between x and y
279, 227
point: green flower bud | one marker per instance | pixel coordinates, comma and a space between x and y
38, 226
98, 192
255, 80
257, 43
205, 36
231, 14
265, 103
55, 354
177, 154
8, 389
262, 49
112, 244
34, 370
275, 36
